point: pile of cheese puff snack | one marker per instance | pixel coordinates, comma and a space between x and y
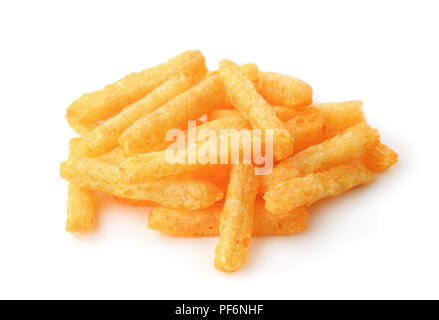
319, 150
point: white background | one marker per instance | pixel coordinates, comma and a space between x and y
380, 241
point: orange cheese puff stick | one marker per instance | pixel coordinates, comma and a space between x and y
340, 115
154, 165
306, 190
110, 100
92, 173
345, 147
159, 164
236, 219
176, 192
106, 137
134, 202
380, 157
223, 113
81, 210
206, 222
306, 128
254, 108
284, 90
214, 125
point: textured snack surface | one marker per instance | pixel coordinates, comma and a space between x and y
284, 90
149, 131
108, 101
106, 136
236, 219
304, 191
380, 157
173, 192
340, 116
81, 210
234, 152
254, 108
307, 128
347, 146
206, 222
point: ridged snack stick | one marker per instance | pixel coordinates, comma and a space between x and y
236, 222
304, 191
174, 192
111, 99
206, 222
243, 95
284, 90
81, 209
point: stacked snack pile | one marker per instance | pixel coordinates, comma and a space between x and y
319, 150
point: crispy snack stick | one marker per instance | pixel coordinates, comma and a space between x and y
284, 90
304, 191
242, 94
81, 210
110, 100
218, 174
379, 158
236, 219
307, 128
345, 147
148, 133
206, 222
340, 116
237, 123
92, 173
175, 192
106, 137
156, 165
